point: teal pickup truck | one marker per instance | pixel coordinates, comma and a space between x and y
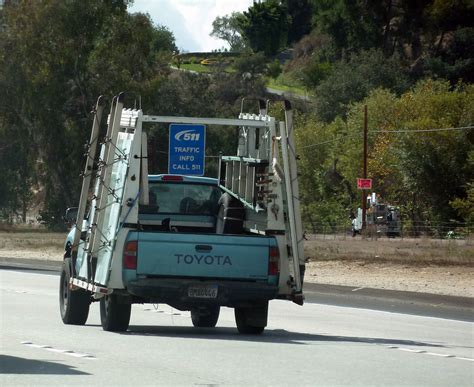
189, 251
195, 243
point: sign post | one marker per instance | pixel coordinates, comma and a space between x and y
187, 145
364, 199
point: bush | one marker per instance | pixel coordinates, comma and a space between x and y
274, 69
315, 73
253, 64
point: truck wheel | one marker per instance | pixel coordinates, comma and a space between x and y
230, 217
253, 320
114, 315
206, 317
73, 304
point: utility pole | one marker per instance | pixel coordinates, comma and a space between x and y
364, 195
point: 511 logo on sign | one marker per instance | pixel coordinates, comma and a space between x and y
187, 135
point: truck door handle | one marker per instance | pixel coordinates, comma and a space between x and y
203, 248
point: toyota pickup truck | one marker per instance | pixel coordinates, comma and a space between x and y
189, 252
196, 243
182, 257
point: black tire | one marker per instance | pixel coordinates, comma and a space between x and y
114, 315
251, 320
205, 317
67, 250
73, 304
230, 216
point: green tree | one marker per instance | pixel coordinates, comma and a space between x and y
265, 26
18, 177
429, 174
351, 81
435, 165
56, 57
227, 28
455, 61
300, 12
353, 25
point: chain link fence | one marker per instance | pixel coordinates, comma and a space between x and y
408, 229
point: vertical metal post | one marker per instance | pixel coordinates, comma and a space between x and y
144, 194
364, 194
87, 178
106, 172
291, 209
294, 182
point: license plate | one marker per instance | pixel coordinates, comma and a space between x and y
204, 291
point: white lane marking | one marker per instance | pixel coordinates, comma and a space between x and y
445, 355
14, 291
464, 358
412, 350
356, 289
439, 354
171, 312
310, 305
56, 350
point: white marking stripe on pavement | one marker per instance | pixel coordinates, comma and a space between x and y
445, 355
56, 350
464, 358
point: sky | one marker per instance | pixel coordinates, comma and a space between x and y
190, 20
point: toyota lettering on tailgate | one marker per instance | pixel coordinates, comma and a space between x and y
189, 259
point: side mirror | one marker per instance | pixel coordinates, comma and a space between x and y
71, 215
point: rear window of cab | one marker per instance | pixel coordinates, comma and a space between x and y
182, 198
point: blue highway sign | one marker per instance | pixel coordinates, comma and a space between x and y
187, 145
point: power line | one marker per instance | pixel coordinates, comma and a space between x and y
390, 131
423, 130
333, 140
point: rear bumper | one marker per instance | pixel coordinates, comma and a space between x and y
175, 292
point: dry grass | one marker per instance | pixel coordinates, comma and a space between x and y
30, 240
406, 251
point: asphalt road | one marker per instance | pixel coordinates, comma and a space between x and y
311, 345
432, 305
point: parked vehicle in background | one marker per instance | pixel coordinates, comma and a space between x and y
381, 218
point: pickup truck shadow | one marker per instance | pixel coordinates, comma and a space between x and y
277, 336
22, 366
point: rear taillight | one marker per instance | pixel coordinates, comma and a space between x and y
130, 254
172, 178
273, 261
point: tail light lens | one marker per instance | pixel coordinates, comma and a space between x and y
130, 255
172, 178
273, 261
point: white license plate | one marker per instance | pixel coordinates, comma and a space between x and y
204, 291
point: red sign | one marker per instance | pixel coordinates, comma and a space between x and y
364, 183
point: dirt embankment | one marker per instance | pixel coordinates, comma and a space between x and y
32, 245
421, 265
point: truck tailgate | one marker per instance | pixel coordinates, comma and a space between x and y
203, 255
